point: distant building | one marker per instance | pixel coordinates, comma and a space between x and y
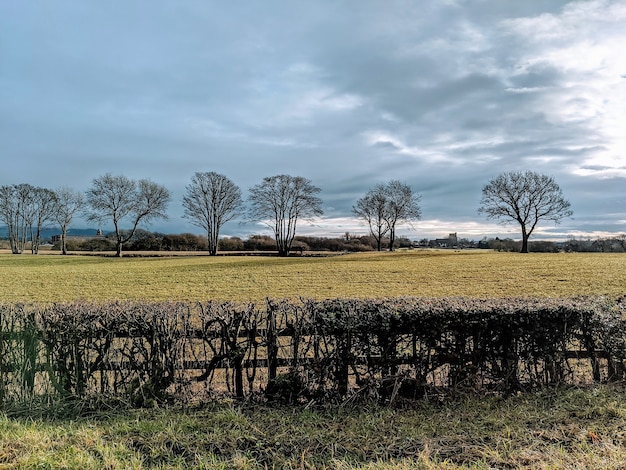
57, 238
451, 242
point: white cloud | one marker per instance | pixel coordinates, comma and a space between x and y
308, 103
525, 90
585, 42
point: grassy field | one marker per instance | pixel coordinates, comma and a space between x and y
472, 273
550, 429
553, 429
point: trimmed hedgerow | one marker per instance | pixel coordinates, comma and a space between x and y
384, 349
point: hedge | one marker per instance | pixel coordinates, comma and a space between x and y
336, 349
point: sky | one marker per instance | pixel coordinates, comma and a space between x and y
441, 95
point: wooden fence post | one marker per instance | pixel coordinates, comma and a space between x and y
272, 343
344, 345
30, 341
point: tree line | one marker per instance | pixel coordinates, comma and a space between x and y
279, 202
145, 240
148, 241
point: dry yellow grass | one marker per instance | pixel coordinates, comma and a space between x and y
426, 273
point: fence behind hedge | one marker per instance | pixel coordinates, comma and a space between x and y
305, 350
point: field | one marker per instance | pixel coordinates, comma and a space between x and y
422, 273
557, 428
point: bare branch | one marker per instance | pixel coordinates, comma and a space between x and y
385, 206
279, 201
118, 198
211, 200
525, 198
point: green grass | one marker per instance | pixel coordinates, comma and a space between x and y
551, 429
563, 428
472, 273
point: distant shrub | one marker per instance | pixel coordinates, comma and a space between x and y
260, 243
95, 244
230, 244
184, 242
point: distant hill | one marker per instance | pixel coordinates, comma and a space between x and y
47, 233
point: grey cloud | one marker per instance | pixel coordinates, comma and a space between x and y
386, 145
254, 89
537, 77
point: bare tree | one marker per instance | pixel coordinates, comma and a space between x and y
385, 206
211, 200
371, 207
117, 198
279, 201
14, 206
69, 202
25, 209
402, 205
43, 207
526, 198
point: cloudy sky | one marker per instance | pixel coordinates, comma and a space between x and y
442, 95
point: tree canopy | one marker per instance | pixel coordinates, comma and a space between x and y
118, 198
25, 210
69, 202
385, 206
279, 202
526, 198
210, 201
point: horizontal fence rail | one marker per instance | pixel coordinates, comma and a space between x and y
385, 349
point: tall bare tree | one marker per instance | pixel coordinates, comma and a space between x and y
385, 206
43, 206
118, 198
371, 207
211, 200
526, 198
402, 206
279, 202
14, 205
69, 202
25, 209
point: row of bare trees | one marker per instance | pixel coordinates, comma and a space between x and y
211, 200
26, 209
280, 201
525, 198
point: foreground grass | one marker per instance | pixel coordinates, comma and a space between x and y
566, 428
472, 273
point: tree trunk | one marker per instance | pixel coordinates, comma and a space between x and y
212, 245
37, 240
63, 240
524, 243
118, 250
282, 246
